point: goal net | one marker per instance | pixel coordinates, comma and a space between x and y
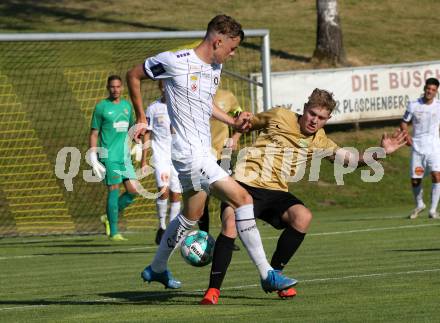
49, 86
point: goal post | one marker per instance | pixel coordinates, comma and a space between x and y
49, 86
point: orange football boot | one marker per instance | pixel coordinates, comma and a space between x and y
211, 297
287, 293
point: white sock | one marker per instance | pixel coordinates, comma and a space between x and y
418, 195
161, 207
250, 236
174, 210
435, 195
176, 230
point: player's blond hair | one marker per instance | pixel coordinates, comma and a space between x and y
321, 98
225, 25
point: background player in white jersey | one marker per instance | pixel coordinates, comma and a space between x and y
424, 114
168, 186
191, 78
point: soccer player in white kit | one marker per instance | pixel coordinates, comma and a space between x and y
424, 114
191, 78
159, 136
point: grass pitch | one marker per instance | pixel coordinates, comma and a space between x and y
354, 265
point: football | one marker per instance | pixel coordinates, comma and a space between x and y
197, 248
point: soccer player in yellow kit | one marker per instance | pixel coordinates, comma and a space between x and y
282, 132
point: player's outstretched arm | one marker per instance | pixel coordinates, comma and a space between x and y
392, 143
243, 122
134, 78
240, 123
389, 143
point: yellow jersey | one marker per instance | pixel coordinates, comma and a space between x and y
226, 101
279, 151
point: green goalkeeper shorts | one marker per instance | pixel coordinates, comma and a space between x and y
116, 173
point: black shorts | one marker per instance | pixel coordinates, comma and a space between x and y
269, 205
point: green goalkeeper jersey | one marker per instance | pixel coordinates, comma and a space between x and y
113, 120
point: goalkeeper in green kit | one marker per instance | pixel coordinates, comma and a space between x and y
112, 118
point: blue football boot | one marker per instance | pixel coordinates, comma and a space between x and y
275, 281
148, 275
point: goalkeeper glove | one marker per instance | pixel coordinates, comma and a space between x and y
98, 168
137, 151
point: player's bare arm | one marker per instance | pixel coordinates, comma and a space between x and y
390, 143
240, 123
233, 141
145, 141
93, 139
404, 127
134, 78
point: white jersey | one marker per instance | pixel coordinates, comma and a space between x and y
190, 85
426, 122
158, 123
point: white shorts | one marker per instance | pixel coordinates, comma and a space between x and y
423, 164
166, 175
199, 173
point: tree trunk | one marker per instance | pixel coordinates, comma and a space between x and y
329, 48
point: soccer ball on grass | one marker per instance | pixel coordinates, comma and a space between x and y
197, 248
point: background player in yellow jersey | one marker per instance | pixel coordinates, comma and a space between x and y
222, 143
281, 131
111, 120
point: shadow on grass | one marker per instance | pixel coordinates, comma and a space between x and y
110, 252
33, 12
21, 243
171, 297
116, 298
158, 297
417, 250
91, 245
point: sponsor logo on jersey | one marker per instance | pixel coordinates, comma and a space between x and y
121, 126
303, 143
195, 68
182, 55
194, 78
157, 69
160, 120
419, 171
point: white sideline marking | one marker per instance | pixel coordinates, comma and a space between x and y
411, 272
346, 277
366, 230
263, 238
83, 252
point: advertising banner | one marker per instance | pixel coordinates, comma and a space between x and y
362, 93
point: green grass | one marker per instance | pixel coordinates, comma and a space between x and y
374, 31
360, 265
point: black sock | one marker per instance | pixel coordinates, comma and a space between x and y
288, 242
204, 220
221, 260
